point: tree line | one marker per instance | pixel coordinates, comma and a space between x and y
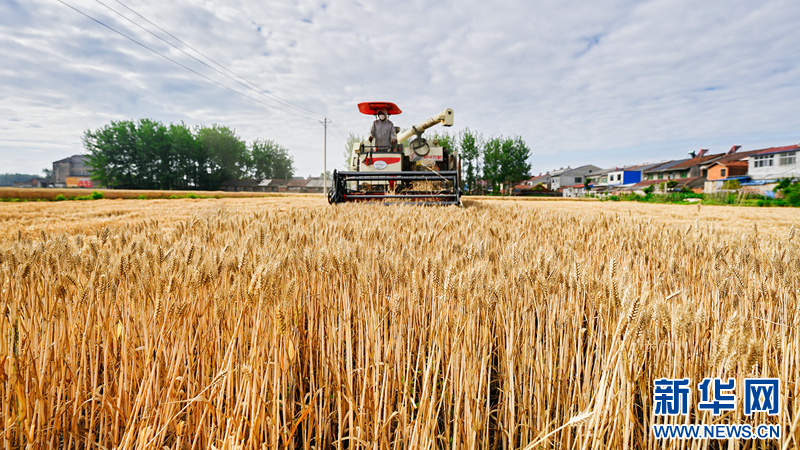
147, 154
498, 161
8, 179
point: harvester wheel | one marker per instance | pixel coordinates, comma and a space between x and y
335, 194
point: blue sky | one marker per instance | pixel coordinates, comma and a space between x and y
606, 83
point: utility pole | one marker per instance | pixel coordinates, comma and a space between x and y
325, 160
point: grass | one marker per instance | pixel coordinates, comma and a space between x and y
290, 323
690, 198
8, 194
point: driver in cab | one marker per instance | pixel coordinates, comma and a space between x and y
383, 132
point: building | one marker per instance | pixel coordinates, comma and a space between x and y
296, 184
774, 163
247, 185
315, 185
72, 172
569, 177
32, 183
628, 175
694, 184
538, 190
574, 191
541, 179
277, 185
696, 166
658, 171
263, 185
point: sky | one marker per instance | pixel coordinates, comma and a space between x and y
609, 83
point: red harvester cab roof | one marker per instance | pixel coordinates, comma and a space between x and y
372, 108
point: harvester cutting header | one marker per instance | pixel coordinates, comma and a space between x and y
383, 168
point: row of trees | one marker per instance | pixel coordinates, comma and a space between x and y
499, 161
8, 179
147, 154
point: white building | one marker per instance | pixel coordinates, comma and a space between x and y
775, 163
571, 177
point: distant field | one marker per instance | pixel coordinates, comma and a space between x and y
284, 321
52, 193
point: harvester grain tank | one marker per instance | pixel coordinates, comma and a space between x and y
419, 172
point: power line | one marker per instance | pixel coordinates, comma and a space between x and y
178, 63
252, 86
339, 132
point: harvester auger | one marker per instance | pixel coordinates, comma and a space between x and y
420, 172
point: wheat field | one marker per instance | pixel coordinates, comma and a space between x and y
289, 323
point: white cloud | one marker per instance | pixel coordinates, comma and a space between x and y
607, 83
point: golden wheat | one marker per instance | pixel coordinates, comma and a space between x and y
250, 323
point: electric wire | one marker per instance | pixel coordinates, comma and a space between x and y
337, 131
179, 63
249, 85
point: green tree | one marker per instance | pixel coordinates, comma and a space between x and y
112, 154
226, 153
149, 155
8, 179
352, 139
469, 144
789, 191
153, 155
187, 158
268, 159
493, 163
505, 161
442, 139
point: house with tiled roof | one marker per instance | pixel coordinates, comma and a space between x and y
628, 175
774, 163
263, 185
569, 176
694, 184
315, 185
277, 185
661, 171
543, 179
731, 167
689, 168
725, 170
574, 191
246, 185
296, 184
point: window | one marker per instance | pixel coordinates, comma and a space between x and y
722, 173
788, 159
762, 161
578, 180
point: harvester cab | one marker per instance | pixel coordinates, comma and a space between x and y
409, 170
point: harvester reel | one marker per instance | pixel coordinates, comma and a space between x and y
420, 146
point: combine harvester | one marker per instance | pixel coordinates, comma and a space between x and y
419, 172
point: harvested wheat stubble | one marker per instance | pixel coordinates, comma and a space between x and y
498, 325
